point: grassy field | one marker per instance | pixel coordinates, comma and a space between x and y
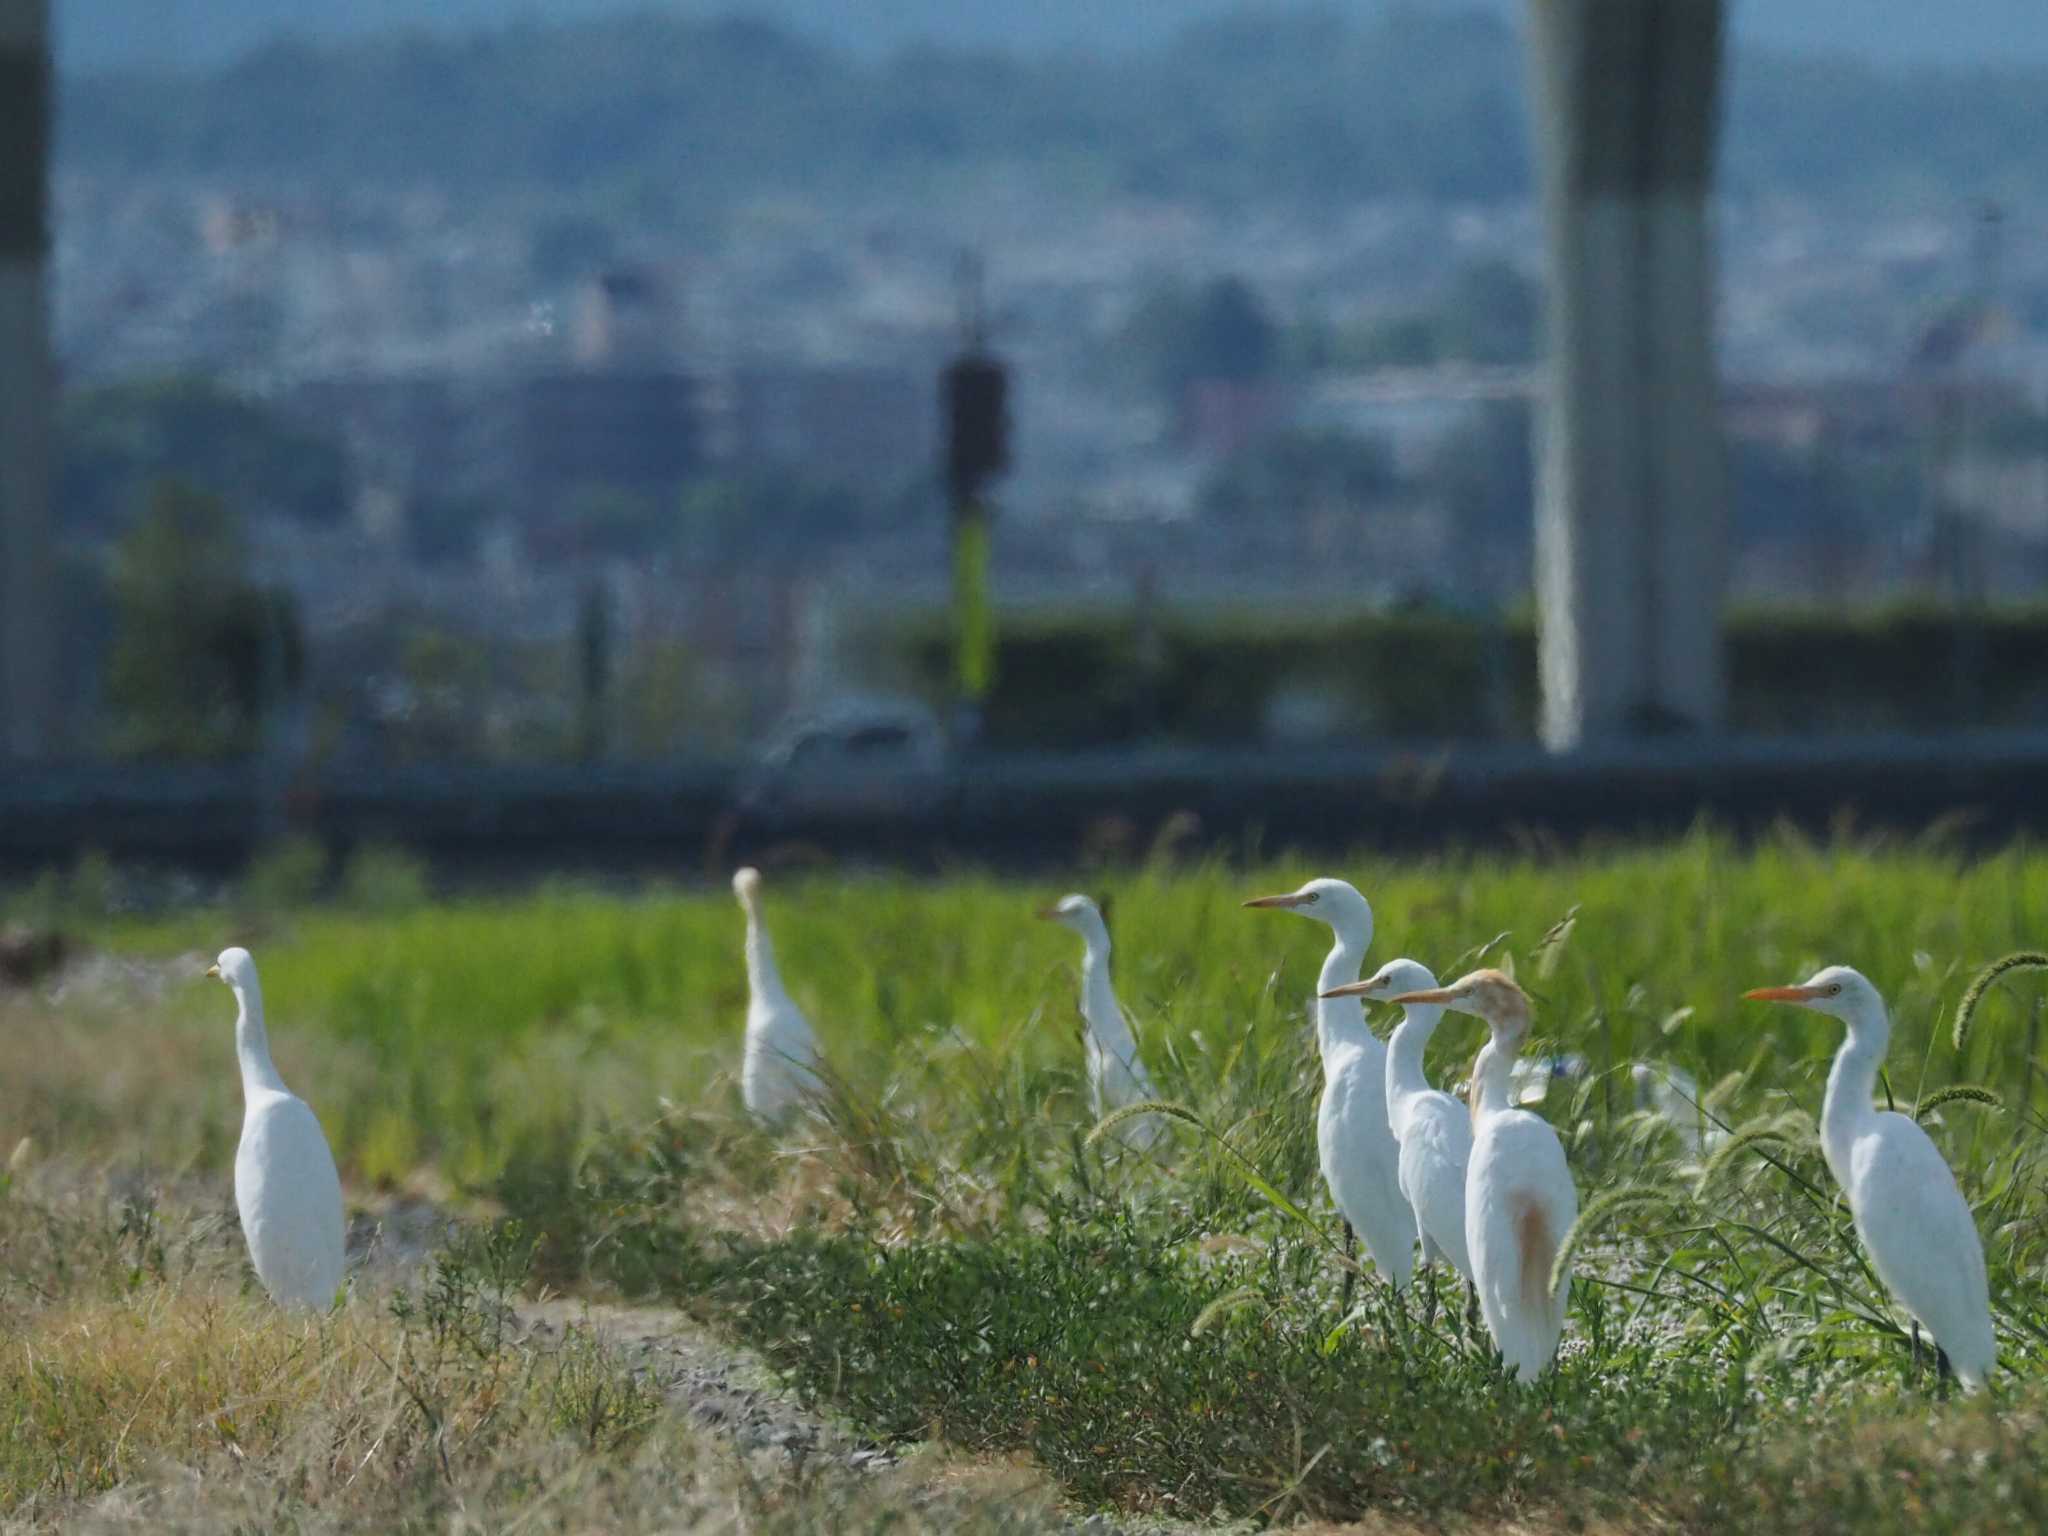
944, 1254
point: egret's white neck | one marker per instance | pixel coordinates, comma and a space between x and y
1847, 1109
1405, 1049
1098, 997
1341, 1020
1492, 1080
252, 1042
763, 979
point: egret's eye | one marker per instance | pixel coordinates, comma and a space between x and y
1315, 895
1834, 988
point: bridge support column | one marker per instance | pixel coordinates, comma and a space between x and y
1632, 487
27, 606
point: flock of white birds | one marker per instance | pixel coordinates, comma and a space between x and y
1482, 1186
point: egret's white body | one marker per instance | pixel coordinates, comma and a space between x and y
1519, 1197
1116, 1072
1909, 1214
1361, 1160
778, 1071
1433, 1129
286, 1190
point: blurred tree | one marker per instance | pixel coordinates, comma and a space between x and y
567, 247
114, 443
1295, 473
1485, 473
199, 651
1410, 340
445, 686
445, 529
604, 520
787, 515
1218, 331
1491, 314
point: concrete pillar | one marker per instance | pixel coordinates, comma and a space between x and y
27, 607
1632, 485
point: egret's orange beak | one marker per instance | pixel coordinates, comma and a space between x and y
1352, 989
1433, 995
1290, 900
1050, 914
1782, 994
213, 971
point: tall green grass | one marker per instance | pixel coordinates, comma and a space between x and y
465, 1034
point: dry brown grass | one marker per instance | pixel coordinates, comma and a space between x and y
144, 1384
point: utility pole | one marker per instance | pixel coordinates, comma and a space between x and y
27, 607
976, 389
1631, 507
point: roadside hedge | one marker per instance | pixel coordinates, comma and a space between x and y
1069, 680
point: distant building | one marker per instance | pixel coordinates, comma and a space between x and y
628, 318
407, 435
639, 431
841, 422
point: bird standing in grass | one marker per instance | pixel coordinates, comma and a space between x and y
779, 1069
1910, 1216
1433, 1129
286, 1190
1116, 1073
1361, 1160
1520, 1201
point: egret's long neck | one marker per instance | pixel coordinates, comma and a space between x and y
1341, 1020
1492, 1080
1404, 1050
252, 1043
1098, 998
1847, 1110
763, 979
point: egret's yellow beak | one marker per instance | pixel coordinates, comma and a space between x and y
213, 971
1351, 989
1050, 914
1289, 901
1782, 994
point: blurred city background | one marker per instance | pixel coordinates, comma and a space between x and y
537, 418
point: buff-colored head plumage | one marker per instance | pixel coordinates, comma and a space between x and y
1491, 995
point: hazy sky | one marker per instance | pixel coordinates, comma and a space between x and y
94, 33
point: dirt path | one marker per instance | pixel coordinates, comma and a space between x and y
722, 1388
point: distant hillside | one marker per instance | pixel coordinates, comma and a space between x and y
97, 34
1301, 105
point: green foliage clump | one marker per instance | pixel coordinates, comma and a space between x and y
200, 651
120, 440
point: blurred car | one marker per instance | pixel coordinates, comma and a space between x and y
856, 754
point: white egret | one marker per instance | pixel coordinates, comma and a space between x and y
1116, 1073
1361, 1160
779, 1069
1909, 1214
1673, 1094
286, 1190
1519, 1197
1433, 1129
